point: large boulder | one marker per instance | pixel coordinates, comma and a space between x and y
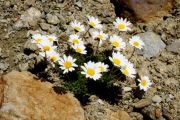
147, 10
24, 98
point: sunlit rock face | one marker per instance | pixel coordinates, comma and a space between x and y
146, 10
22, 97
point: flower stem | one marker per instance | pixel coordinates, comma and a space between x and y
111, 73
45, 58
131, 54
119, 33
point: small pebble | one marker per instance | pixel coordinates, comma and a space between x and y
142, 103
127, 89
100, 101
52, 19
156, 99
158, 112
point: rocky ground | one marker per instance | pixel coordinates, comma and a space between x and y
160, 59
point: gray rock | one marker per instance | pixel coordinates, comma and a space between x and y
52, 19
32, 15
127, 89
4, 66
142, 103
153, 45
31, 32
136, 116
156, 99
19, 24
28, 18
59, 5
8, 4
106, 13
30, 2
53, 29
23, 67
150, 112
174, 47
79, 4
4, 20
61, 18
45, 26
30, 46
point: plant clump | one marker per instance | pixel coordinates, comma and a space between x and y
82, 65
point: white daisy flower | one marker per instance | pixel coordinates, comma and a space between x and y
91, 70
118, 59
100, 36
145, 83
67, 64
45, 45
94, 22
103, 67
128, 70
53, 56
77, 26
75, 39
51, 38
117, 42
80, 48
122, 24
38, 38
136, 42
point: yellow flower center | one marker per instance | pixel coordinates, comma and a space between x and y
50, 39
115, 43
46, 48
121, 26
53, 58
116, 61
92, 24
90, 71
67, 64
75, 41
100, 36
77, 28
126, 72
143, 83
102, 68
136, 43
79, 50
38, 40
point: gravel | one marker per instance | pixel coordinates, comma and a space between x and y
19, 20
